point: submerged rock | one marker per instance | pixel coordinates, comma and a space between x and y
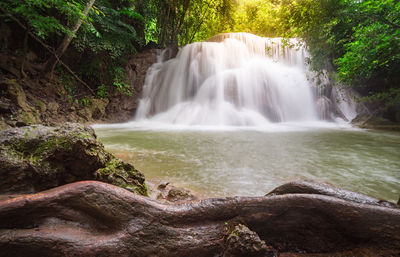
36, 158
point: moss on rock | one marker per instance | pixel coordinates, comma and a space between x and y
124, 175
36, 158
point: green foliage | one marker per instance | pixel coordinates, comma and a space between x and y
44, 17
358, 39
107, 41
119, 81
102, 91
366, 58
109, 35
85, 102
256, 16
111, 30
68, 84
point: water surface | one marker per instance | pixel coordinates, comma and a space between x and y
251, 163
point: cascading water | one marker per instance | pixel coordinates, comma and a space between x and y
233, 79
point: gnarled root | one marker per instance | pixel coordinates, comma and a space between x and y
97, 219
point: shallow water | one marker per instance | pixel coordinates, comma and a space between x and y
252, 162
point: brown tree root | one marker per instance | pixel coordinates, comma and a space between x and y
97, 219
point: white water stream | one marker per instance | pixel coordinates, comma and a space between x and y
232, 80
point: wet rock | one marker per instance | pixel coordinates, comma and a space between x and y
242, 242
163, 185
180, 194
167, 192
36, 158
370, 121
122, 174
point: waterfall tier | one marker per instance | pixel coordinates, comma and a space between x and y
233, 79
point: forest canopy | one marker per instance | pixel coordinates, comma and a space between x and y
358, 41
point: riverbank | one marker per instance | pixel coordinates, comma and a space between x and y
32, 99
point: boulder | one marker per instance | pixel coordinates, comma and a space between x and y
17, 94
36, 158
242, 242
53, 107
85, 113
97, 107
25, 118
170, 193
371, 121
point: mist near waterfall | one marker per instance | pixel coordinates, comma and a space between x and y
241, 80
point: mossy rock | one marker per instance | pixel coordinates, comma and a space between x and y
25, 118
17, 94
35, 158
124, 175
97, 107
242, 242
370, 121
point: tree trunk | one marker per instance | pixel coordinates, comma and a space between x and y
97, 219
52, 62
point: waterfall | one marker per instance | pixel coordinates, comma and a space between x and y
233, 79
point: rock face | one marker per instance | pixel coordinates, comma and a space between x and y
122, 107
370, 121
96, 219
324, 108
36, 158
31, 100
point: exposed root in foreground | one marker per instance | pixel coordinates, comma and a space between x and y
97, 219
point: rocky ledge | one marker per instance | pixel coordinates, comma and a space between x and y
36, 158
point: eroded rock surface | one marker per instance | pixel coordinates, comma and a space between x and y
97, 219
36, 158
